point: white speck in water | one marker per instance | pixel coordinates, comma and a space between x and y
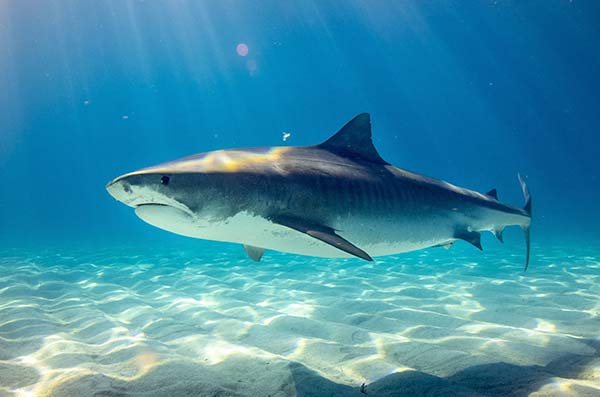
242, 49
86, 102
285, 135
125, 117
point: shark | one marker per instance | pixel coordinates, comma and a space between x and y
336, 199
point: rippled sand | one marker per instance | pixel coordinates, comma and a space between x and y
174, 321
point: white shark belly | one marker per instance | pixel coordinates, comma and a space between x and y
245, 228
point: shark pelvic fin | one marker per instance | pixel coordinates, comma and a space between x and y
322, 233
354, 140
470, 237
493, 194
255, 253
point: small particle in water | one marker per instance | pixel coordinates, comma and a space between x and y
285, 135
86, 102
242, 49
125, 117
251, 65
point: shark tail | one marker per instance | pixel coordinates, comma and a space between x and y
527, 226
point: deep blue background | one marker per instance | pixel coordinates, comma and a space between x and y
468, 91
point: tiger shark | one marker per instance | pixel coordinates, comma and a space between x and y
336, 199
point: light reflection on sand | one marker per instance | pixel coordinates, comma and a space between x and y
132, 321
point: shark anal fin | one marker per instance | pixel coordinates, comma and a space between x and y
470, 237
255, 253
498, 234
322, 233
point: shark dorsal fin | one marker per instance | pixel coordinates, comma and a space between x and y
354, 140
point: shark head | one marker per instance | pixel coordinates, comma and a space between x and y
174, 196
156, 200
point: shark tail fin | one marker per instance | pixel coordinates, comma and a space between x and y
527, 226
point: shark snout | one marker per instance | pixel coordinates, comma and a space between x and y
121, 190
136, 191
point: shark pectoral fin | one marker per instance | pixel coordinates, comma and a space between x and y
322, 233
470, 237
255, 253
331, 238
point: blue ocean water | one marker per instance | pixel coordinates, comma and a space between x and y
469, 92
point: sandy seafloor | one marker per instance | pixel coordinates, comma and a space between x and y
177, 321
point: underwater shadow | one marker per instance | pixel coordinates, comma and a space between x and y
492, 380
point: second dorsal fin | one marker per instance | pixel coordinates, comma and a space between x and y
354, 140
493, 194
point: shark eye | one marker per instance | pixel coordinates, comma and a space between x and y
165, 180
